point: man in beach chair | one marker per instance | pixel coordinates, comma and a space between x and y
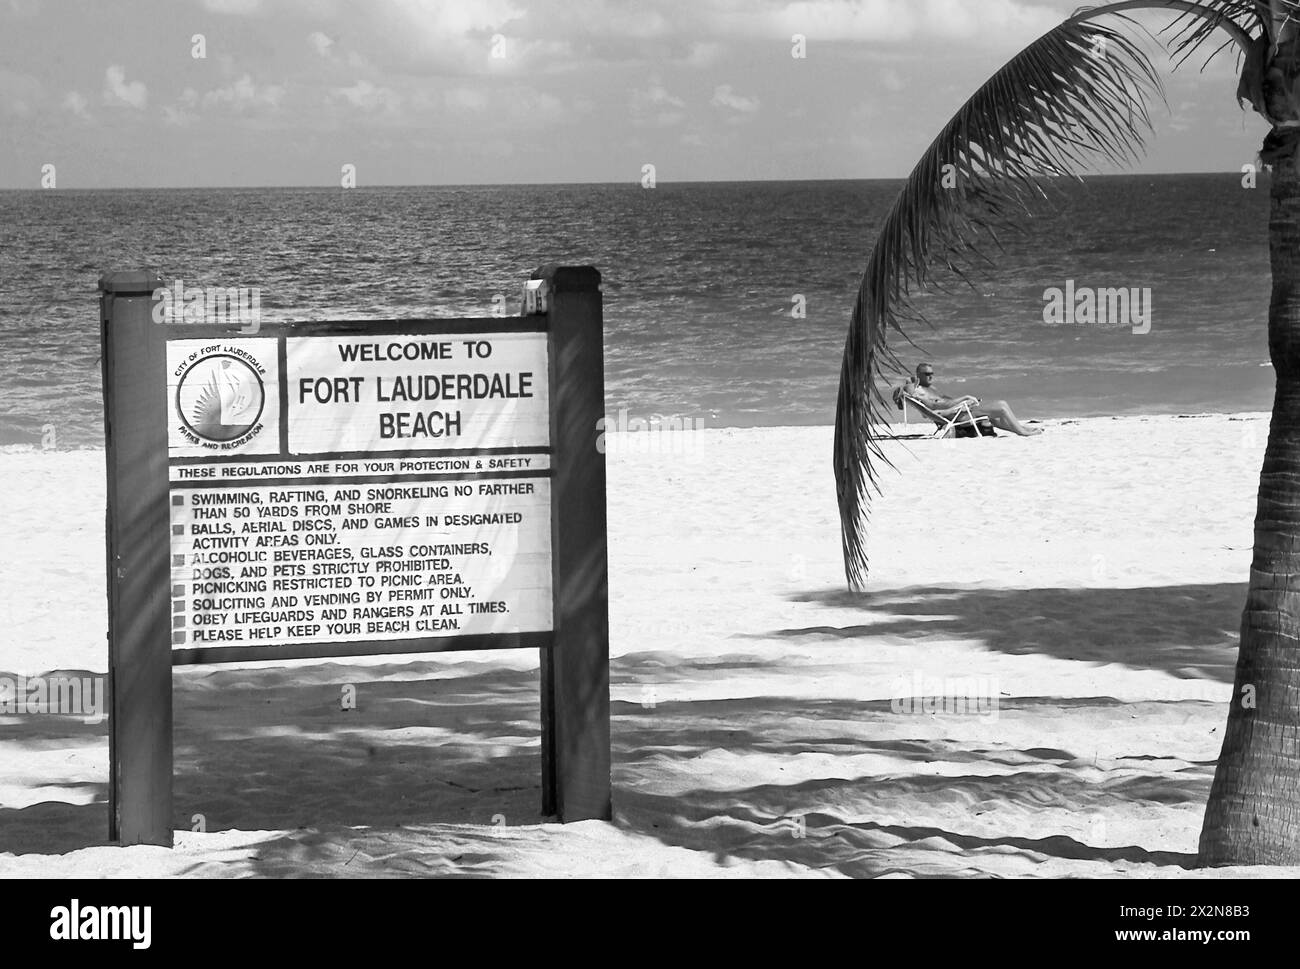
963, 416
956, 422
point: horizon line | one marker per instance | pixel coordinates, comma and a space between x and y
632, 183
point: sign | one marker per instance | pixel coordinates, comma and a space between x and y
355, 487
377, 490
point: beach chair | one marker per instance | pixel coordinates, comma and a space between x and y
961, 424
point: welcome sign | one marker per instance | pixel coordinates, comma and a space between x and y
355, 487
374, 490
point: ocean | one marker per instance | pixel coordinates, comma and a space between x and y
703, 286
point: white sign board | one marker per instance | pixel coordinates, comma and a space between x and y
372, 394
338, 488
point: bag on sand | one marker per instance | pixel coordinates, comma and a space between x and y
985, 429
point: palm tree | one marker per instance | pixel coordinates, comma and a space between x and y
1075, 98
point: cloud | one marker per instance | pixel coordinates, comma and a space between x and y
18, 93
370, 98
244, 95
704, 53
886, 21
445, 21
527, 108
725, 97
483, 37
466, 99
322, 44
75, 102
178, 117
241, 8
118, 92
181, 115
327, 48
524, 38
315, 10
701, 25
508, 107
655, 106
657, 95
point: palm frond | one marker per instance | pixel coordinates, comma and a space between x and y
1074, 99
1197, 22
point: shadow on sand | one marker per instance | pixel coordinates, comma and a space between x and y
902, 816
1189, 631
428, 747
273, 749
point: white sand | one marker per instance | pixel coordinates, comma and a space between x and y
1093, 578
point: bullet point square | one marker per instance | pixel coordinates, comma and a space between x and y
178, 529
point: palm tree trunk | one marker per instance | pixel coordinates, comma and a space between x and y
1253, 815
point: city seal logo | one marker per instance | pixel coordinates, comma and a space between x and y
220, 399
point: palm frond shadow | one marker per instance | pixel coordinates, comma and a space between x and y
1190, 631
410, 783
273, 750
889, 810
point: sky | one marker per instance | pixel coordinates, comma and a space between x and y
114, 93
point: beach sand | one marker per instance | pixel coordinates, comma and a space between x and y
1091, 579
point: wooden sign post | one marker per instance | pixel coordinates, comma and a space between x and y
355, 487
139, 601
575, 678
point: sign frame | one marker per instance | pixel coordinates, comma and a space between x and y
574, 654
